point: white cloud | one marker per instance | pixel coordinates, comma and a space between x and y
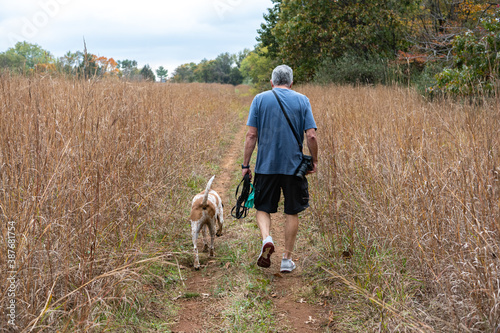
164, 33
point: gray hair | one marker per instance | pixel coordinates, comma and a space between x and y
282, 76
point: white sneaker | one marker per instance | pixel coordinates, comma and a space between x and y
287, 265
265, 254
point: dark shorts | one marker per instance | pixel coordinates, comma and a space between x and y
268, 191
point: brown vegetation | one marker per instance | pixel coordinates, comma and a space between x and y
98, 176
89, 172
409, 192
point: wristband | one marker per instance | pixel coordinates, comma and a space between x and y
245, 166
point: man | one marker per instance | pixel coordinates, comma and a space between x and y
278, 157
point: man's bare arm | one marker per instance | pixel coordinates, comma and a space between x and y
250, 143
312, 144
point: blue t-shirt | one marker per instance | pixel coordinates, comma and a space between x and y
278, 150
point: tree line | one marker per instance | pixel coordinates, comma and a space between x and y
450, 46
26, 58
438, 45
225, 69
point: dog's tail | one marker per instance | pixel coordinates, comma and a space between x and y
204, 204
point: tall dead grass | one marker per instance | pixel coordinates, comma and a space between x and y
89, 170
419, 180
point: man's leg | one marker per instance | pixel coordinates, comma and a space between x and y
291, 228
264, 223
267, 196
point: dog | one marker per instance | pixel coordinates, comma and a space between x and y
206, 211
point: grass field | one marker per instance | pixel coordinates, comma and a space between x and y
91, 173
409, 193
96, 179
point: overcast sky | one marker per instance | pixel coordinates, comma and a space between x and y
153, 32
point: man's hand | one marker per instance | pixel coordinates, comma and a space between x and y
315, 168
245, 171
312, 144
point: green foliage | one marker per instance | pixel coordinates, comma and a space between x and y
353, 69
426, 78
304, 34
224, 69
12, 61
476, 66
434, 24
221, 68
24, 56
257, 67
88, 67
266, 32
185, 73
238, 58
147, 73
70, 61
128, 68
162, 73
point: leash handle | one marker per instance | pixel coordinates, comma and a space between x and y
239, 210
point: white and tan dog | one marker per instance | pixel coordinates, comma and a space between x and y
206, 211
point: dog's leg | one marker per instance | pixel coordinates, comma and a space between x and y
220, 221
211, 227
195, 229
205, 242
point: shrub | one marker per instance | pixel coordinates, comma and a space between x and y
353, 68
476, 65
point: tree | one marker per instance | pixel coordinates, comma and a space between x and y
184, 73
476, 61
305, 33
70, 62
147, 73
235, 76
105, 66
32, 54
266, 35
436, 23
238, 58
222, 68
257, 68
88, 67
162, 73
12, 61
204, 71
128, 68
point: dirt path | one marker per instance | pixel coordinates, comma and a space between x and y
291, 301
200, 311
192, 316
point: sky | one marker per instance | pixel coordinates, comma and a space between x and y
159, 33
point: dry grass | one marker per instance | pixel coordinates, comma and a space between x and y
92, 172
96, 176
411, 189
